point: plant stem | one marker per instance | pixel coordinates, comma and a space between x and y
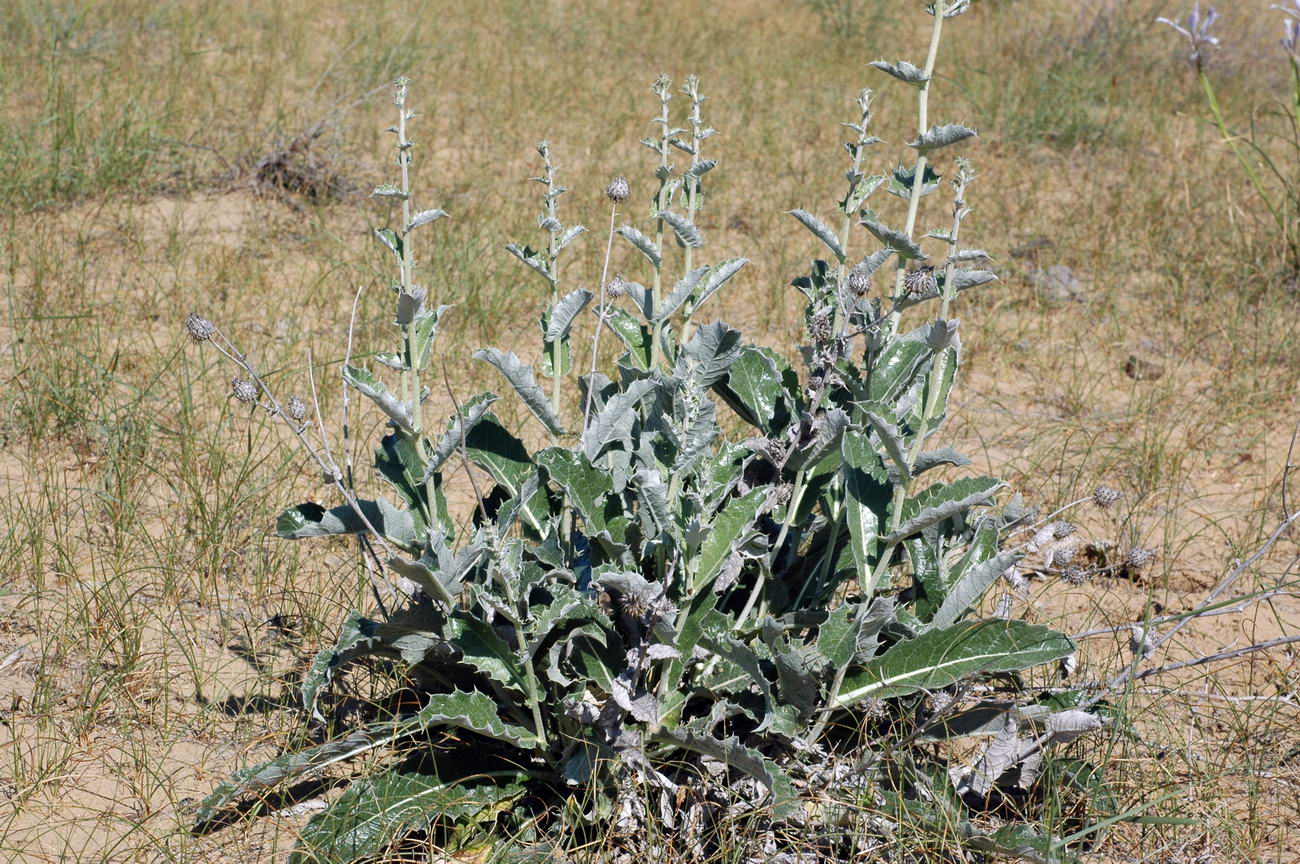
600, 320
923, 107
692, 190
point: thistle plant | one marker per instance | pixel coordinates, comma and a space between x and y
650, 620
1278, 183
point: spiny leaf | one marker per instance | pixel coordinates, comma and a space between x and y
937, 137
726, 533
475, 410
903, 71
643, 243
688, 235
368, 385
865, 486
521, 378
614, 421
313, 520
566, 310
944, 656
717, 277
821, 232
942, 501
681, 292
785, 800
896, 240
375, 811
533, 259
424, 217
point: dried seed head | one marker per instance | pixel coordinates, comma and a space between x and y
199, 328
618, 190
243, 390
859, 281
1062, 553
1078, 575
1063, 529
1106, 497
296, 409
616, 288
820, 327
1138, 558
1140, 641
920, 281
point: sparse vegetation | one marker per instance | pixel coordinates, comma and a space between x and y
155, 636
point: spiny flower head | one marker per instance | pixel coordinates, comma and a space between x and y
296, 409
1106, 497
243, 390
1063, 529
859, 281
1139, 557
616, 288
199, 328
919, 281
618, 190
1078, 575
820, 327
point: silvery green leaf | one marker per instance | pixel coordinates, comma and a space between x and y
886, 428
643, 243
942, 501
408, 304
388, 190
938, 137
821, 232
391, 359
962, 280
459, 430
873, 262
366, 384
941, 334
641, 298
687, 234
934, 458
902, 181
424, 330
971, 585
903, 71
1005, 750
864, 487
313, 520
833, 423
964, 255
1065, 726
940, 234
564, 313
652, 143
684, 146
391, 240
549, 223
710, 352
424, 217
861, 191
521, 378
532, 258
718, 275
569, 236
896, 240
654, 498
699, 169
641, 704
728, 532
785, 799
681, 292
941, 657
377, 810
614, 420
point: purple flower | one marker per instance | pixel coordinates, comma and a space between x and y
1290, 27
1196, 30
